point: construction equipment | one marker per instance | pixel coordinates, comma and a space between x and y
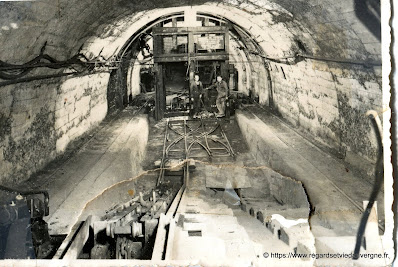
21, 222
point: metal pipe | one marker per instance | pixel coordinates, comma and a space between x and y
43, 77
36, 78
345, 61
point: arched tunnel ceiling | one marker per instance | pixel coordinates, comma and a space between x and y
326, 28
326, 100
112, 38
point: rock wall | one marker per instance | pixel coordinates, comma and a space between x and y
40, 118
330, 104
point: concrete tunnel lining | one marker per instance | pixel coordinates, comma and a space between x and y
314, 97
128, 26
328, 78
309, 95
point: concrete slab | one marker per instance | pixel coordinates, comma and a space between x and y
113, 155
121, 161
215, 177
211, 231
335, 193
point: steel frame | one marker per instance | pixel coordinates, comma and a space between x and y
190, 136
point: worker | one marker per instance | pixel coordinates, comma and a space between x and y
196, 93
222, 90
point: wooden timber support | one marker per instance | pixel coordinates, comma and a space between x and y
187, 52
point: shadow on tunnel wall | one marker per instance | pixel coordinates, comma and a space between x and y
368, 12
117, 87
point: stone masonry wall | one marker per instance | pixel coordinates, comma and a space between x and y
40, 118
330, 104
326, 101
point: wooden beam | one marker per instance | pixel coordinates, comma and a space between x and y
160, 97
67, 241
206, 22
79, 241
198, 57
157, 45
226, 42
164, 220
167, 58
209, 29
169, 30
160, 239
191, 44
170, 239
182, 30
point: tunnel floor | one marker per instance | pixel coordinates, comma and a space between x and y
100, 161
336, 179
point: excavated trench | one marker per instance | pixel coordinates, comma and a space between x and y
236, 181
251, 187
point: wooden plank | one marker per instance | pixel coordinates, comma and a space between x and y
169, 30
170, 239
163, 221
158, 247
172, 221
79, 241
199, 57
65, 244
171, 58
173, 207
208, 29
226, 42
191, 44
212, 56
186, 30
168, 33
160, 98
184, 55
157, 45
206, 22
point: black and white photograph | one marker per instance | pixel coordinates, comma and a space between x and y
197, 133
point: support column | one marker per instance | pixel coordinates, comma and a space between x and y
160, 94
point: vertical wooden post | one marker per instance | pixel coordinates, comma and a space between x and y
160, 94
174, 24
206, 23
231, 80
225, 64
224, 70
191, 44
226, 42
191, 62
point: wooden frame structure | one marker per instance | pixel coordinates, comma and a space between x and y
188, 55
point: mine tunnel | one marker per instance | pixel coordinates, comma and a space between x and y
175, 133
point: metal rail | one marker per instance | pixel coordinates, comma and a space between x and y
190, 135
162, 163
